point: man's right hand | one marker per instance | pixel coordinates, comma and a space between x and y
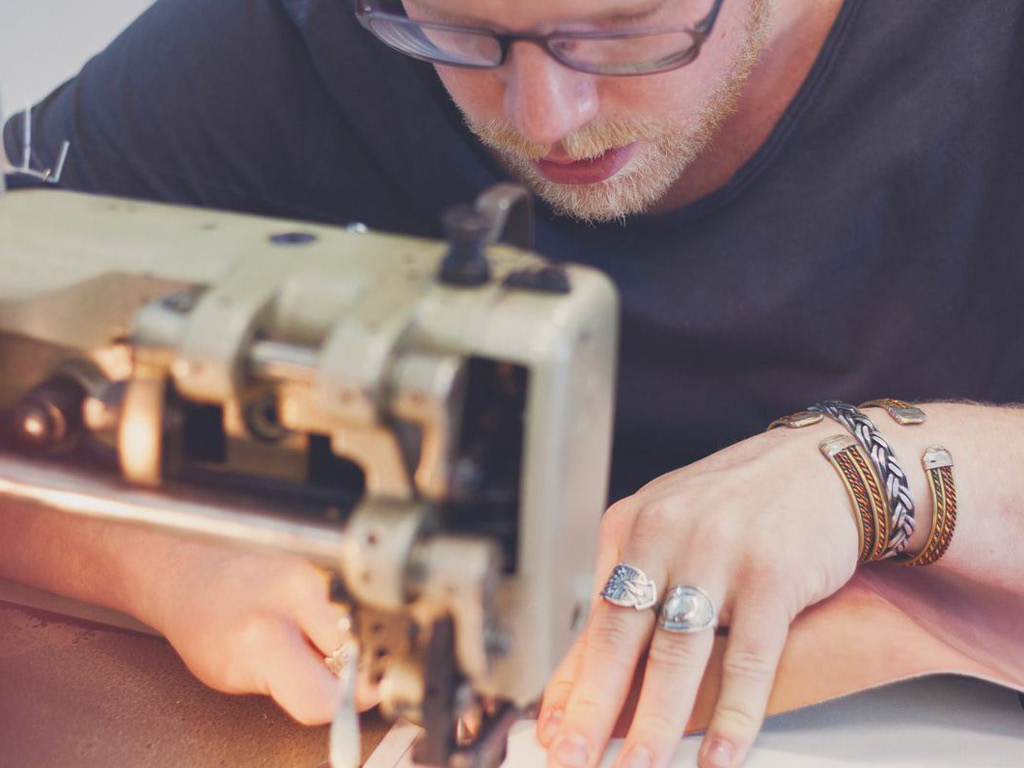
243, 623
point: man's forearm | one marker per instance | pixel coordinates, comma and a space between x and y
242, 622
987, 444
114, 565
96, 562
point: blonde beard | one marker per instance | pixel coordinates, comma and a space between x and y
665, 151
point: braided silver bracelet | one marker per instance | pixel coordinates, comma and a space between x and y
901, 505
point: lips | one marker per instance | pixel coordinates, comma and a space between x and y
592, 171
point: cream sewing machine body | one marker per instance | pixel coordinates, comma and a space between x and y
446, 438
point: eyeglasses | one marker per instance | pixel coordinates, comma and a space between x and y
639, 51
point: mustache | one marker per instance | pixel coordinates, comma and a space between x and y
589, 142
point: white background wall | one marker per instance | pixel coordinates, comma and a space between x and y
44, 42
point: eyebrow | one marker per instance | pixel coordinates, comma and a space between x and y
628, 10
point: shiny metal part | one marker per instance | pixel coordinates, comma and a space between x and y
831, 446
890, 472
902, 412
48, 175
101, 411
345, 744
629, 587
687, 609
937, 457
509, 212
798, 420
194, 515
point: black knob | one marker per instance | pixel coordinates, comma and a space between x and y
466, 263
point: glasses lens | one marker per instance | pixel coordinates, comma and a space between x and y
625, 54
435, 42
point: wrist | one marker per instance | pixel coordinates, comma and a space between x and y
154, 576
888, 493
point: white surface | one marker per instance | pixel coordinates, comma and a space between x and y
44, 42
23, 595
930, 723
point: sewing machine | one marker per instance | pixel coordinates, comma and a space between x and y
429, 420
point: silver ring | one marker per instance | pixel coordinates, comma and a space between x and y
339, 661
629, 587
687, 609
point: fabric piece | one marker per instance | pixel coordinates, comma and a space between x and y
79, 693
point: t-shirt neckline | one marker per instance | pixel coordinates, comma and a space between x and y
801, 104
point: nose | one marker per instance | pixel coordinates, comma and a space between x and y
546, 100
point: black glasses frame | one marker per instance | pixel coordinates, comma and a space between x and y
700, 32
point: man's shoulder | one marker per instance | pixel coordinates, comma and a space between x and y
286, 107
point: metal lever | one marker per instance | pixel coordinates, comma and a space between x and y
345, 743
48, 176
508, 209
503, 212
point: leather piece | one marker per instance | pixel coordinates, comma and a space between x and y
77, 693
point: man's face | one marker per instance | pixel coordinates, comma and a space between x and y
598, 148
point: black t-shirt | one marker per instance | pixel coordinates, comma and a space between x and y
874, 246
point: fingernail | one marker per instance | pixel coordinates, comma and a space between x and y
637, 757
549, 728
572, 752
719, 753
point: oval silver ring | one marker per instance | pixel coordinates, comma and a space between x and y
629, 587
687, 609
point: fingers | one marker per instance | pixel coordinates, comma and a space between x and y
757, 635
367, 691
556, 695
558, 690
675, 666
309, 603
614, 641
297, 678
325, 624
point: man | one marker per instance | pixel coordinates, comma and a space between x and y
797, 201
